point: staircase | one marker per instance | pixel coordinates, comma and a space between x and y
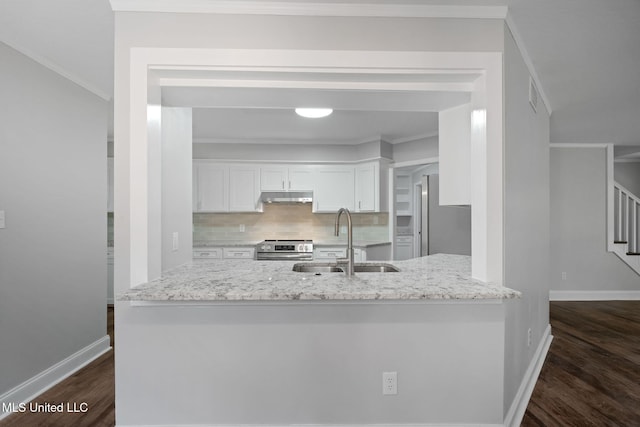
624, 230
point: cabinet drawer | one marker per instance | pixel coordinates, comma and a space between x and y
239, 253
330, 253
212, 253
404, 239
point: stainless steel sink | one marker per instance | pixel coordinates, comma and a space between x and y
375, 268
318, 267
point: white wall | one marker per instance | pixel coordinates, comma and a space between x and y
578, 225
53, 186
176, 186
526, 219
628, 175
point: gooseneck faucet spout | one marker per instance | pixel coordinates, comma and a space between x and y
349, 259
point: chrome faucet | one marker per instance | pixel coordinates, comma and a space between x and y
349, 259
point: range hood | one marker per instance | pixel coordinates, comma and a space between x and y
286, 196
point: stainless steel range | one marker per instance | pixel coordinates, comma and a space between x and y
285, 250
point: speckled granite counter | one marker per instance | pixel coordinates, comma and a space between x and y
432, 277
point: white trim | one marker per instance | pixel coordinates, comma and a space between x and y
46, 379
521, 400
570, 145
594, 295
413, 138
248, 7
610, 220
627, 160
527, 60
287, 141
417, 162
60, 71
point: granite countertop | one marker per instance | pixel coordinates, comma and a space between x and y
432, 277
356, 244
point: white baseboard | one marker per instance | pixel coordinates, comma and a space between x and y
520, 402
46, 379
594, 295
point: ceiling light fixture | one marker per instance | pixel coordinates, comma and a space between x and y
313, 113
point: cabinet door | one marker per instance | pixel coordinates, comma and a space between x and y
301, 178
334, 189
273, 178
211, 187
110, 180
367, 186
244, 189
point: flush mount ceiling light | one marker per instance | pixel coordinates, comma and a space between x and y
313, 113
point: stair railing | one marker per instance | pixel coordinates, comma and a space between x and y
626, 218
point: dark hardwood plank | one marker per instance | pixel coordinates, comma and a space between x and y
591, 375
94, 384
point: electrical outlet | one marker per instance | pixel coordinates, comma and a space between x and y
529, 337
1, 219
389, 383
564, 275
175, 241
241, 228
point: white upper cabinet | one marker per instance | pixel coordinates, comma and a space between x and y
287, 178
210, 187
225, 188
334, 189
110, 180
244, 189
367, 188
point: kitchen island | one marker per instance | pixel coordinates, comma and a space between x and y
253, 342
438, 276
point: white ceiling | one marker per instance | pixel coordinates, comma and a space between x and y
586, 54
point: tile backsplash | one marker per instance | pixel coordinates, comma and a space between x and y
286, 221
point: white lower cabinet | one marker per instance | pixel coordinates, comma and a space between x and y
404, 247
208, 253
329, 253
220, 252
238, 253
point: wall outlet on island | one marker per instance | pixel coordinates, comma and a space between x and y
389, 383
175, 241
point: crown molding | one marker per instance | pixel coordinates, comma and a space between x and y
413, 138
253, 7
59, 70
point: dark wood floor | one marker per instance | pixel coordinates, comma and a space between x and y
591, 376
94, 384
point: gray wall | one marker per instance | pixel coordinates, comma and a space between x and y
53, 277
579, 227
449, 226
291, 152
628, 175
177, 210
526, 219
424, 148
